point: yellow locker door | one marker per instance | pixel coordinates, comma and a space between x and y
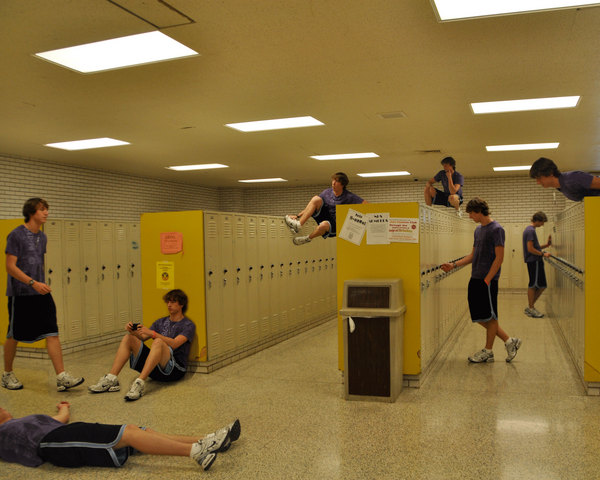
109, 320
274, 269
54, 268
213, 291
240, 286
121, 281
134, 270
264, 277
227, 283
72, 280
90, 275
251, 272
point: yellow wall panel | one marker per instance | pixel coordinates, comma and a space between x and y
188, 269
591, 371
396, 260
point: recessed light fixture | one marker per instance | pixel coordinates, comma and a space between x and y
510, 169
461, 9
275, 124
263, 180
204, 166
383, 174
525, 104
120, 52
345, 156
522, 146
87, 144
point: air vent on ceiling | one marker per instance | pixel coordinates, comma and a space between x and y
428, 151
388, 115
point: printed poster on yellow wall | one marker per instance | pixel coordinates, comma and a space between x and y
165, 275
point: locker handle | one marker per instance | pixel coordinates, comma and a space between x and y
237, 269
118, 266
49, 270
103, 267
87, 268
250, 268
210, 272
68, 270
225, 271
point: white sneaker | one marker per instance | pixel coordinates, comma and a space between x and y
233, 429
216, 442
512, 345
135, 391
482, 356
105, 384
535, 313
459, 213
301, 240
293, 223
527, 311
64, 381
10, 381
201, 456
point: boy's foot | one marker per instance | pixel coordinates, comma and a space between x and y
459, 213
533, 312
106, 384
201, 456
10, 381
234, 429
482, 356
527, 311
512, 345
293, 223
136, 391
218, 441
301, 240
64, 381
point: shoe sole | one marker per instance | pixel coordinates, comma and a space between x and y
127, 399
13, 388
208, 461
111, 389
62, 388
234, 434
489, 360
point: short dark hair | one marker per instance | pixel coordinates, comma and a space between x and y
341, 177
544, 167
478, 205
33, 205
178, 296
449, 161
539, 217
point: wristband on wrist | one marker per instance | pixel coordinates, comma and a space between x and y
153, 334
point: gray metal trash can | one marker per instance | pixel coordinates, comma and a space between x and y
373, 319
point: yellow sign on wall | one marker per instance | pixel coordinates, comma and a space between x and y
165, 275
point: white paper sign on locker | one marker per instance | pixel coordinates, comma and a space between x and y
353, 229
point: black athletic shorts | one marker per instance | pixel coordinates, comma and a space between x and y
483, 300
82, 444
537, 274
441, 198
31, 318
170, 373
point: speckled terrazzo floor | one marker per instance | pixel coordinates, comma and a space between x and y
526, 420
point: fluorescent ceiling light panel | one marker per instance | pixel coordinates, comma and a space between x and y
87, 144
383, 174
205, 166
461, 9
523, 146
510, 169
525, 104
263, 180
345, 156
120, 52
275, 124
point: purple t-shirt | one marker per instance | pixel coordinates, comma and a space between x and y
170, 329
21, 437
529, 235
29, 248
575, 185
487, 238
330, 201
457, 179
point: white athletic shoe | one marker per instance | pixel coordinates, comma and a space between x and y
512, 345
301, 240
64, 381
293, 223
202, 456
482, 356
105, 384
135, 391
10, 381
234, 429
533, 312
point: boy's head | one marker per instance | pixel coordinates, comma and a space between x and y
478, 205
539, 217
543, 167
178, 296
341, 177
33, 205
449, 161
